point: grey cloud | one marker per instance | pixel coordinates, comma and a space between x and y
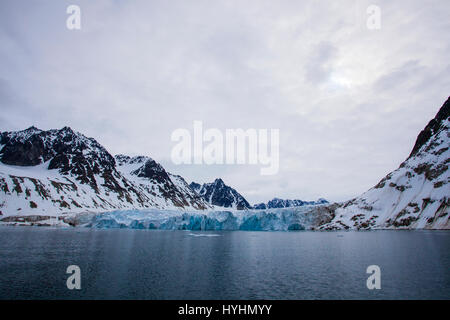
318, 67
349, 102
400, 76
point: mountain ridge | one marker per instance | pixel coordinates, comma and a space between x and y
60, 172
217, 193
65, 171
287, 203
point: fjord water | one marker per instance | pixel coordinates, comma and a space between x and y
154, 264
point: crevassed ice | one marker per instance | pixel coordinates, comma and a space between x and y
282, 219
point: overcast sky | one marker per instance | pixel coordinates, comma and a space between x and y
349, 101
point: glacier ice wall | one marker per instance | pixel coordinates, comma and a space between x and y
283, 219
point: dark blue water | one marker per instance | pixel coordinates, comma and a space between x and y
148, 264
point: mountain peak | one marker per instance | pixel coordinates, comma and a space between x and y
432, 128
32, 128
67, 129
281, 203
123, 159
219, 182
414, 196
219, 194
68, 152
83, 175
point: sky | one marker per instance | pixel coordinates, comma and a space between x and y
348, 100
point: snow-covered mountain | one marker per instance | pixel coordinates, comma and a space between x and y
219, 194
154, 179
61, 177
416, 195
60, 171
286, 203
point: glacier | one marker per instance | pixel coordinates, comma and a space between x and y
280, 219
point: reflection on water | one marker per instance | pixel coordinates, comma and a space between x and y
148, 264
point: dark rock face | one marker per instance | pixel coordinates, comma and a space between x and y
67, 151
432, 128
152, 170
169, 186
281, 203
195, 186
23, 150
122, 159
141, 182
219, 194
260, 206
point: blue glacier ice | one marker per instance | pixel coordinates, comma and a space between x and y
281, 219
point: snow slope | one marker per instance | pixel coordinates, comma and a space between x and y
415, 196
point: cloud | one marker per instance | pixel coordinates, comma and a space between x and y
349, 102
318, 67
